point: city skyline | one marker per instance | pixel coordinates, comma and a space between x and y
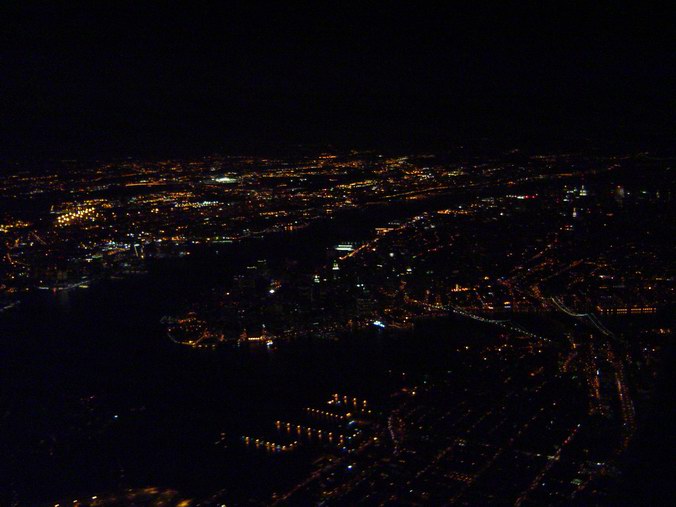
263, 255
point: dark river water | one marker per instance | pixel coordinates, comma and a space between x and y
95, 397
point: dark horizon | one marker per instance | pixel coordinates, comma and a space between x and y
133, 80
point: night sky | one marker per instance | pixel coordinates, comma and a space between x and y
170, 78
